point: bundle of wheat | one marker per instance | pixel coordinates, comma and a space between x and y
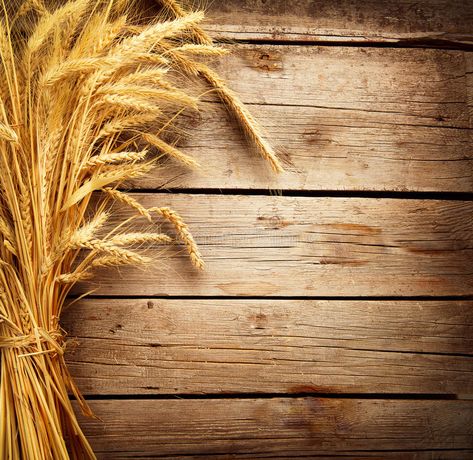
88, 90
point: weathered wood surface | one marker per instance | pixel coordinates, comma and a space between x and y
277, 427
305, 246
406, 22
346, 118
276, 346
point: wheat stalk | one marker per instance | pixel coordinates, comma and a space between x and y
88, 93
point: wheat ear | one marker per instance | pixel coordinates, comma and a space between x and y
184, 234
247, 122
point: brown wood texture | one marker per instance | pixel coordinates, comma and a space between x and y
185, 346
179, 376
408, 22
306, 246
345, 118
289, 427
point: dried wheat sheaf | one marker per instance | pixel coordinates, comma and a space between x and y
89, 92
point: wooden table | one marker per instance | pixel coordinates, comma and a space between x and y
335, 316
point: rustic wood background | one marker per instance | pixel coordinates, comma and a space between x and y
335, 317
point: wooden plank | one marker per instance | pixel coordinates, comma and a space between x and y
306, 246
276, 346
346, 119
425, 86
282, 426
409, 22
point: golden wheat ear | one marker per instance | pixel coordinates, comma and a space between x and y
246, 121
237, 109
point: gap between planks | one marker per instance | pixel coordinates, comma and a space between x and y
412, 195
213, 396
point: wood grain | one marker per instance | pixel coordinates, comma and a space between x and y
277, 427
305, 246
345, 119
409, 22
277, 346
